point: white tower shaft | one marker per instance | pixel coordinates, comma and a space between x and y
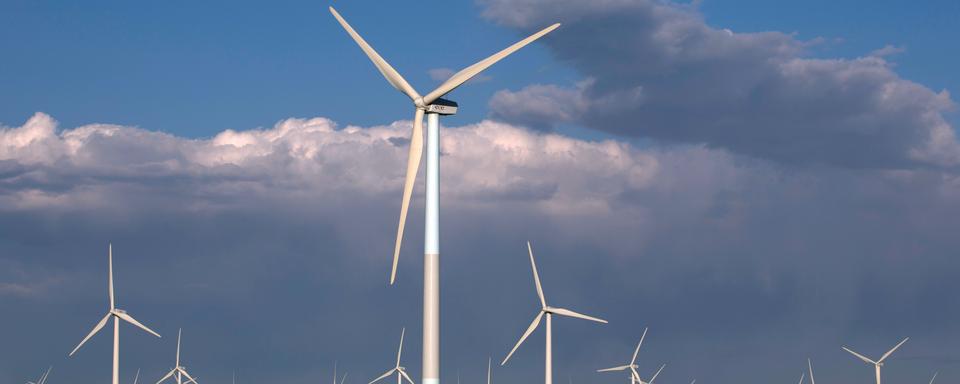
431, 256
116, 350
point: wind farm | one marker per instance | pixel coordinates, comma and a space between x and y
705, 192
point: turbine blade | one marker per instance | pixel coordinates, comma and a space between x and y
400, 350
383, 376
810, 366
633, 360
110, 269
536, 277
405, 376
344, 378
43, 379
392, 76
179, 332
530, 329
635, 374
137, 377
656, 374
614, 369
862, 357
167, 376
184, 372
802, 375
469, 72
569, 313
886, 355
490, 362
934, 377
131, 320
96, 328
413, 164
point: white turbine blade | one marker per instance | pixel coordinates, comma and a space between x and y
810, 366
96, 328
137, 377
385, 69
614, 369
533, 326
536, 277
413, 164
469, 72
569, 313
344, 378
404, 374
656, 374
400, 350
862, 357
934, 377
179, 331
802, 375
184, 372
635, 374
126, 317
43, 379
633, 360
886, 355
490, 362
110, 269
383, 376
168, 375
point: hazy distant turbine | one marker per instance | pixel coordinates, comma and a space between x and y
117, 315
549, 312
879, 363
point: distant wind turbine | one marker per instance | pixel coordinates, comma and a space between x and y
117, 314
178, 371
43, 377
549, 312
879, 363
632, 365
401, 371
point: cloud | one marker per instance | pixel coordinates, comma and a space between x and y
657, 70
888, 50
719, 253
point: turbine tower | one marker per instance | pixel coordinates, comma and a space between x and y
117, 314
431, 105
632, 365
43, 377
879, 363
401, 371
178, 371
549, 312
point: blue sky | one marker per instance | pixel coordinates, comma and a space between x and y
753, 180
195, 69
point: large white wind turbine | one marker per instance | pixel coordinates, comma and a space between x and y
401, 371
879, 363
433, 106
117, 314
43, 377
178, 371
632, 366
549, 312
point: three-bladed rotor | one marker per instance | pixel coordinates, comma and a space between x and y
398, 369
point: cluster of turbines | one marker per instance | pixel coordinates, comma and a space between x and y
431, 106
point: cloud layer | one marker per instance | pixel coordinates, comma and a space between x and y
657, 70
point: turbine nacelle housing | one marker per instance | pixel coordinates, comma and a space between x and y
442, 107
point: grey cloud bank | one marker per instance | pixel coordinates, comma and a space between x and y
734, 262
657, 70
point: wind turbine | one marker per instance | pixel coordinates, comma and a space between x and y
549, 312
401, 371
335, 374
879, 363
43, 377
117, 314
178, 371
632, 365
432, 105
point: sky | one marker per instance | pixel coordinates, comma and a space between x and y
757, 183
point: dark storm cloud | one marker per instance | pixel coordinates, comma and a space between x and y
656, 69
